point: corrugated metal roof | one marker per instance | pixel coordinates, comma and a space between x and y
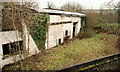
50, 11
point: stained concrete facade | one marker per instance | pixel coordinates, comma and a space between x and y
58, 27
13, 36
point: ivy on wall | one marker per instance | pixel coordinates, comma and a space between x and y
38, 28
83, 22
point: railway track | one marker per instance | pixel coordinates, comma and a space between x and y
107, 63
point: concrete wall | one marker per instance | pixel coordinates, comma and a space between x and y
62, 18
33, 49
55, 18
9, 37
69, 27
56, 32
6, 37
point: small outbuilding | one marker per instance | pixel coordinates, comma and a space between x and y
62, 25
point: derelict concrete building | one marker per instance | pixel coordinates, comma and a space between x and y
62, 25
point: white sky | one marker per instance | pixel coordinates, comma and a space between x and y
94, 4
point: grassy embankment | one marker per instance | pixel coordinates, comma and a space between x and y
71, 53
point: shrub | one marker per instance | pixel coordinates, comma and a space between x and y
86, 33
99, 23
108, 28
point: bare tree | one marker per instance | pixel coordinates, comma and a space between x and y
74, 7
118, 6
15, 17
115, 5
51, 5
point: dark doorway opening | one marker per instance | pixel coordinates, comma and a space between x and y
66, 33
59, 41
12, 48
74, 27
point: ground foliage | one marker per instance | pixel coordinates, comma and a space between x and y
107, 28
71, 53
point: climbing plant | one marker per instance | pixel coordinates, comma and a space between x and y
38, 28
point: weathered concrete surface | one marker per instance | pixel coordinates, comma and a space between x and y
30, 44
63, 18
69, 27
56, 32
9, 37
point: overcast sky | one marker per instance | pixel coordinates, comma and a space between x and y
88, 4
94, 4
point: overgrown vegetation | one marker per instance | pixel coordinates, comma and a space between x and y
38, 29
88, 31
19, 16
97, 22
36, 22
71, 53
98, 43
107, 28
